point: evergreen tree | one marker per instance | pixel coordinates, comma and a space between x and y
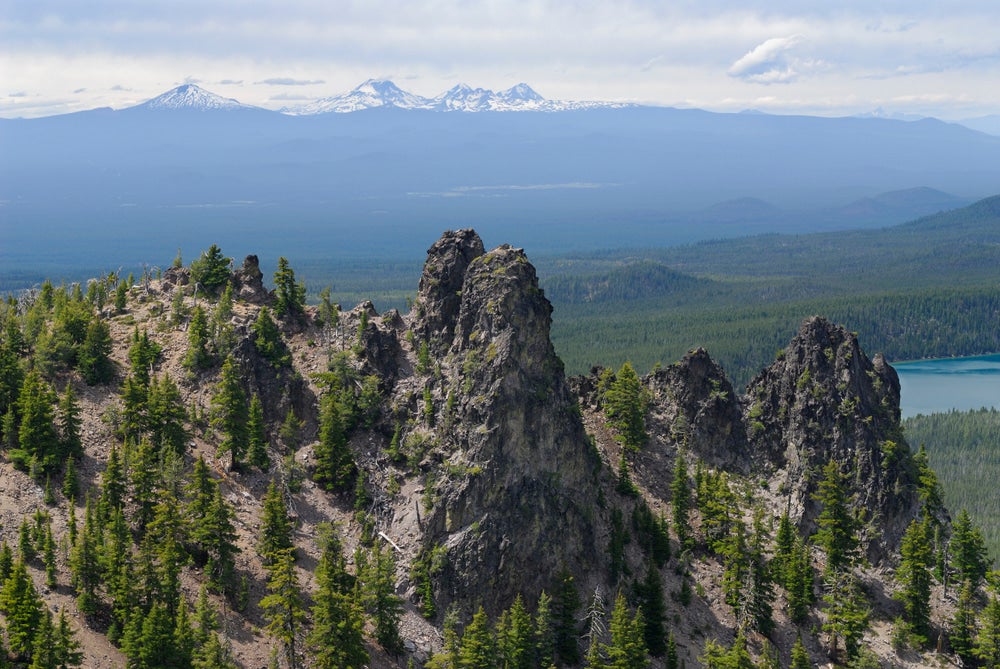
22, 607
167, 415
290, 296
680, 501
478, 650
334, 462
545, 648
784, 540
70, 445
847, 614
987, 645
223, 336
93, 361
968, 550
654, 611
257, 437
142, 355
515, 638
963, 627
220, 543
230, 413
198, 356
914, 575
837, 533
282, 606
113, 486
670, 660
565, 604
38, 440
627, 649
798, 580
267, 339
337, 638
276, 533
211, 269
379, 583
67, 648
43, 644
625, 408
184, 638
800, 658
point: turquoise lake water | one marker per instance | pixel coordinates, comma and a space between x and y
931, 386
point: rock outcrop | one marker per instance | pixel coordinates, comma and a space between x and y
520, 512
825, 399
248, 283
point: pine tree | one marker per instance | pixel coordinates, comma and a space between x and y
515, 638
220, 543
798, 580
70, 445
276, 533
987, 645
22, 607
800, 658
282, 606
198, 356
43, 643
49, 556
545, 648
93, 361
290, 296
267, 339
654, 611
969, 556
625, 408
670, 660
167, 415
142, 355
627, 649
680, 501
222, 334
379, 583
37, 436
565, 604
837, 533
211, 269
67, 648
85, 568
337, 638
478, 650
847, 614
230, 413
334, 462
257, 437
914, 575
71, 482
963, 627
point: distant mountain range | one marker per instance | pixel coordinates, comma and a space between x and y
382, 93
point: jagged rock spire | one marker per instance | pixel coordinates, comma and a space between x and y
439, 294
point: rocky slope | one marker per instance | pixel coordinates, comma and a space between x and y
482, 454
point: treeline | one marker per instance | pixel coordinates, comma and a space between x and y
964, 449
745, 339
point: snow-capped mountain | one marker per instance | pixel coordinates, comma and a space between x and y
193, 98
372, 93
383, 93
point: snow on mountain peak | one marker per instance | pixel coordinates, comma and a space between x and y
192, 97
461, 97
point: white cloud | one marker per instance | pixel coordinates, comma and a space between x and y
770, 62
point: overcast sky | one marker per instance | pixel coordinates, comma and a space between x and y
925, 57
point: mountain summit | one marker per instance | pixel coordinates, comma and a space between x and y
193, 98
384, 93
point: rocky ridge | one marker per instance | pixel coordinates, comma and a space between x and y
485, 454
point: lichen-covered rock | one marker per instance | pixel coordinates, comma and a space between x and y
825, 399
248, 283
439, 294
520, 510
695, 403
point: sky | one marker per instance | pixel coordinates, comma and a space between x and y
920, 57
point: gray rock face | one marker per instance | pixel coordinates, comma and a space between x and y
248, 283
822, 399
439, 294
696, 400
524, 513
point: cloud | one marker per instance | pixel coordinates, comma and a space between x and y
17, 94
770, 62
121, 88
231, 82
288, 81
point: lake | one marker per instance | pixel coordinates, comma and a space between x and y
932, 386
